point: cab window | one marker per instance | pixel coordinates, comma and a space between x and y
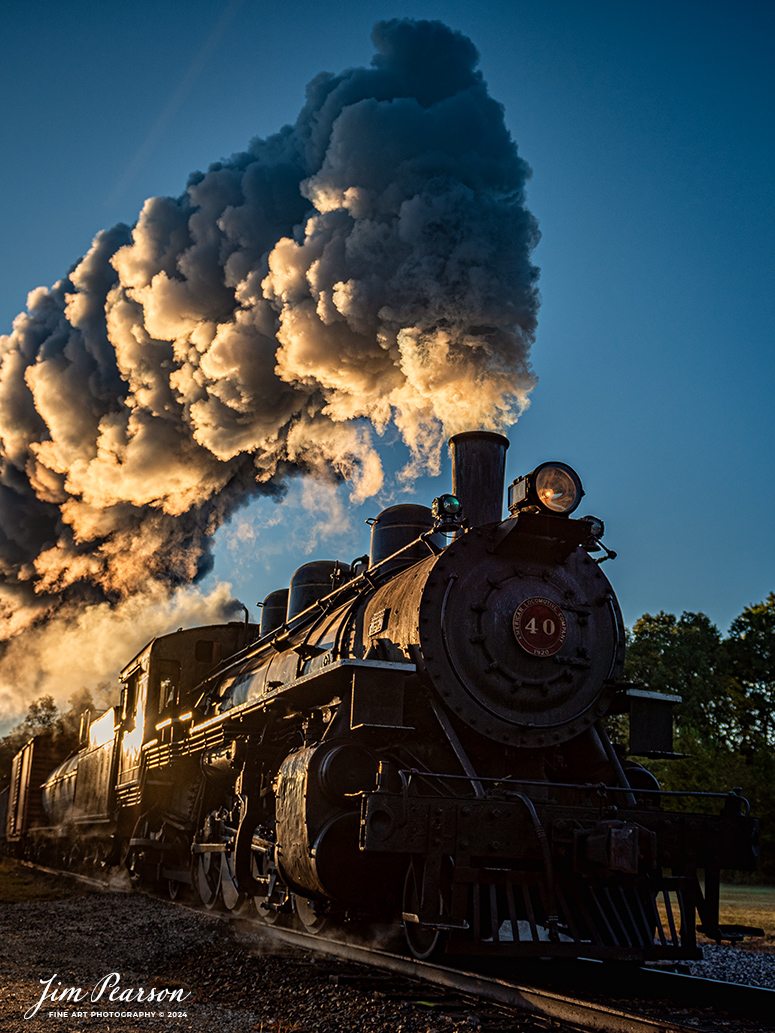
167, 677
129, 695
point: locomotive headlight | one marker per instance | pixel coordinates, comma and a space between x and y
558, 488
552, 487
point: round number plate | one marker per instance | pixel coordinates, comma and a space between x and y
540, 626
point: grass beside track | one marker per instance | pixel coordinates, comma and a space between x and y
19, 884
750, 905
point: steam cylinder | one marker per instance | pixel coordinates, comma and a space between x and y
478, 472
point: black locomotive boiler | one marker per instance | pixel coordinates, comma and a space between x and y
415, 738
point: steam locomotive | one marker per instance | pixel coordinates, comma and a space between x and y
414, 739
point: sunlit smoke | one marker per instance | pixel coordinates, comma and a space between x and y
368, 265
89, 646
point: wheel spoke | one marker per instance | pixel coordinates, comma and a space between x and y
259, 866
305, 911
422, 940
232, 898
207, 879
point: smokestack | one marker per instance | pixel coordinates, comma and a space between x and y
478, 473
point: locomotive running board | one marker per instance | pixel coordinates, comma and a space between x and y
339, 672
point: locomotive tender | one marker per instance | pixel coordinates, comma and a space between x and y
415, 738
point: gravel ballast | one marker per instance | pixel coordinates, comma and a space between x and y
150, 943
732, 965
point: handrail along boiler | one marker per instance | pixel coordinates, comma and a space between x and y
414, 737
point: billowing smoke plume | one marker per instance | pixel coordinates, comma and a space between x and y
369, 264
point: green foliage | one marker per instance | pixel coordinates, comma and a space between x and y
751, 652
685, 656
725, 722
41, 716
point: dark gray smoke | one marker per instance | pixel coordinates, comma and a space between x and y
368, 265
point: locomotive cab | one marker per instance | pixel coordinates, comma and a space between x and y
160, 687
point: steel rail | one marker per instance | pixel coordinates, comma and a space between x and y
98, 884
545, 1004
736, 999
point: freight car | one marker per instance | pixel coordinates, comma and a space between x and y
415, 739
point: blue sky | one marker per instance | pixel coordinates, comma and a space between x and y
649, 129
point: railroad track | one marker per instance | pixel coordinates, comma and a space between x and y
547, 993
555, 1005
539, 1002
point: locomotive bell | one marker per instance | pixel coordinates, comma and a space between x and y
478, 471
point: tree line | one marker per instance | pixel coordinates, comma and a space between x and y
725, 724
43, 715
